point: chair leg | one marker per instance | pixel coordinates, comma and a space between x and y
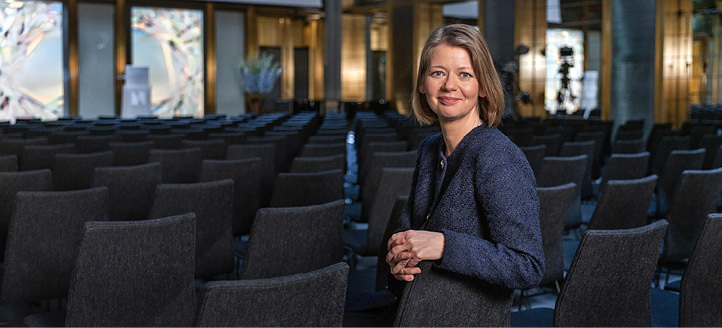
556, 283
521, 299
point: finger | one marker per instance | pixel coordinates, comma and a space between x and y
414, 261
395, 240
410, 270
399, 265
404, 277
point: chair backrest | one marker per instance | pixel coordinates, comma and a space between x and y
310, 299
382, 268
95, 143
664, 146
320, 139
599, 138
624, 167
699, 304
609, 279
696, 196
179, 165
131, 153
380, 146
379, 160
8, 163
396, 183
42, 241
711, 143
246, 177
576, 148
624, 204
75, 171
136, 273
677, 162
268, 171
281, 150
211, 149
304, 189
166, 141
42, 156
322, 150
317, 164
14, 146
628, 146
212, 203
535, 156
554, 205
553, 143
130, 189
558, 171
299, 239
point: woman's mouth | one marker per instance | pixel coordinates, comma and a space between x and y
448, 100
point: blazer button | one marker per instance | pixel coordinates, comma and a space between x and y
427, 216
442, 164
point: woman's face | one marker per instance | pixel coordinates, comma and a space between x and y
450, 86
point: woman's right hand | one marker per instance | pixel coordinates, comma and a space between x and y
399, 263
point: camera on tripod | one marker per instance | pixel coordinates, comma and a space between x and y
566, 55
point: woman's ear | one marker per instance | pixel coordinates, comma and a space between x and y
422, 89
482, 94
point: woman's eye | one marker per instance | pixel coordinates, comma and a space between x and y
465, 75
437, 74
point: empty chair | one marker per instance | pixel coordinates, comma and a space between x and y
677, 162
372, 178
304, 189
697, 304
212, 203
711, 144
558, 171
179, 165
322, 150
14, 146
317, 164
75, 171
599, 138
166, 141
211, 149
552, 142
130, 153
608, 282
298, 239
576, 148
8, 163
554, 205
131, 274
664, 146
624, 204
267, 170
42, 156
535, 156
95, 143
282, 151
382, 268
329, 139
628, 146
387, 146
624, 167
47, 234
311, 299
130, 189
246, 177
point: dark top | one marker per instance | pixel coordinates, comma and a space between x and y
483, 198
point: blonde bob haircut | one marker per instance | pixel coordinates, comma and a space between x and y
491, 107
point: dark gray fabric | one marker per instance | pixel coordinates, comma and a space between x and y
130, 189
166, 141
711, 143
599, 138
312, 299
554, 205
267, 154
281, 150
576, 148
75, 171
8, 163
304, 189
211, 149
677, 162
41, 249
318, 164
212, 203
319, 139
379, 160
246, 178
382, 268
179, 165
664, 146
314, 150
535, 156
699, 304
552, 142
95, 143
45, 319
372, 147
14, 146
696, 196
292, 240
130, 153
12, 183
558, 171
624, 167
42, 156
608, 281
624, 204
628, 146
134, 274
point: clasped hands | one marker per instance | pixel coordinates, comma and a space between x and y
408, 248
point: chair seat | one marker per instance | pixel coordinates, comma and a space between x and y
540, 317
356, 239
665, 308
45, 319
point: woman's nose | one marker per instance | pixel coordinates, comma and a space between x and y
450, 83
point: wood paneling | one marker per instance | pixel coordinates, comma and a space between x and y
673, 60
530, 29
353, 58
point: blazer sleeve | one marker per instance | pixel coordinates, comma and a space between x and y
513, 255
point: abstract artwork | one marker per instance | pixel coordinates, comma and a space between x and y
31, 60
170, 43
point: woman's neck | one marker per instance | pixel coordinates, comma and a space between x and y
454, 131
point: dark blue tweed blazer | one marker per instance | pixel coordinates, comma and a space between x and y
488, 209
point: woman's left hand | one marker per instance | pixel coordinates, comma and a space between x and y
408, 248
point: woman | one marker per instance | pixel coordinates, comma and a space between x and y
473, 214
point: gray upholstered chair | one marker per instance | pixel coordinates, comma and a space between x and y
535, 156
211, 149
322, 150
42, 156
45, 229
166, 141
664, 146
8, 163
382, 268
281, 150
321, 139
293, 240
130, 274
396, 183
95, 143
558, 171
599, 138
75, 171
267, 172
131, 153
624, 167
677, 162
379, 160
554, 203
179, 165
697, 304
310, 299
628, 146
246, 181
624, 204
304, 189
576, 148
711, 144
318, 164
552, 142
608, 283
212, 203
387, 146
130, 189
14, 146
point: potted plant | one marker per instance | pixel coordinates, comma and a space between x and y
258, 75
